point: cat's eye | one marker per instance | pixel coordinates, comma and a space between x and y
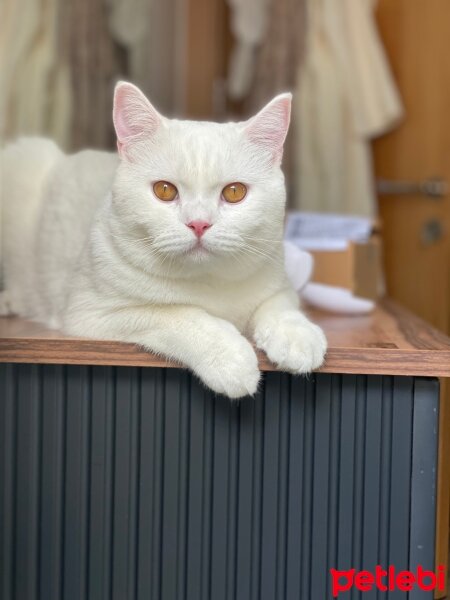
234, 192
164, 190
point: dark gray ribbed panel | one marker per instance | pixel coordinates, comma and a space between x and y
136, 484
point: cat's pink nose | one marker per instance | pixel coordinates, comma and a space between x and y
199, 227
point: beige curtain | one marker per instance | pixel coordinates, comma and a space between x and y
281, 51
34, 83
345, 96
152, 33
249, 20
59, 60
269, 39
328, 52
266, 56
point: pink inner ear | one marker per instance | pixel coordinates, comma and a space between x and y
270, 126
133, 114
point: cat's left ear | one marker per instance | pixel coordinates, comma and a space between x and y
268, 129
133, 115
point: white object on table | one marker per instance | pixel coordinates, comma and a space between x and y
299, 266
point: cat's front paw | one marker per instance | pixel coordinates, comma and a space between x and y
292, 343
230, 368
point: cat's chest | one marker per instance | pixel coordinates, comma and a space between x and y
234, 301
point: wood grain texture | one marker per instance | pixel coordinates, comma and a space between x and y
416, 35
205, 63
391, 341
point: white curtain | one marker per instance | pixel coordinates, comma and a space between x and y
345, 97
248, 25
59, 60
153, 32
344, 93
34, 84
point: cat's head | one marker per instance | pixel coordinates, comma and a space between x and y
200, 194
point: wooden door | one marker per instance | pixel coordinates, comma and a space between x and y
207, 47
416, 226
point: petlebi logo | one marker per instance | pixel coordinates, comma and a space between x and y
387, 579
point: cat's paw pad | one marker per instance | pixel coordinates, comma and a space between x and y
231, 368
293, 343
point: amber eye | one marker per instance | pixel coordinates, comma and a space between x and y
164, 190
234, 192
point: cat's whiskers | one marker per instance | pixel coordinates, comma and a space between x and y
260, 253
170, 245
124, 239
238, 259
160, 257
173, 250
165, 249
164, 258
147, 247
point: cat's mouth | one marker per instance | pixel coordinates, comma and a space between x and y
198, 249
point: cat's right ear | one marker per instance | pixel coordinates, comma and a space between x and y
133, 116
268, 129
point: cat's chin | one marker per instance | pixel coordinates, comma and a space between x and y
199, 253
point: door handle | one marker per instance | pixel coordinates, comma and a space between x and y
433, 187
431, 232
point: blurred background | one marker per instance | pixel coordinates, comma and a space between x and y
371, 81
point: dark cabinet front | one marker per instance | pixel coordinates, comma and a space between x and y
136, 483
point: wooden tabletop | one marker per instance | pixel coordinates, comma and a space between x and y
390, 341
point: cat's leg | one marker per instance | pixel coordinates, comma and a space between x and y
213, 348
288, 338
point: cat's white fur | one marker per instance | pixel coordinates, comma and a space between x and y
88, 248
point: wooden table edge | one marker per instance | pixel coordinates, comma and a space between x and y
365, 361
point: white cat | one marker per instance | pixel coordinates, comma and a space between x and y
175, 244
